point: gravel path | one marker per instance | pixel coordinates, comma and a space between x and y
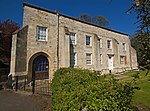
121, 77
11, 101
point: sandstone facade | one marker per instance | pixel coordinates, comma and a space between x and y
57, 49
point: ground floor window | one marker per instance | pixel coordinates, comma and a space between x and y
73, 59
40, 64
88, 58
122, 60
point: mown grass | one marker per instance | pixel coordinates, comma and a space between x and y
142, 96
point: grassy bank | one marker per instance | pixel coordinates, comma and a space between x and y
142, 96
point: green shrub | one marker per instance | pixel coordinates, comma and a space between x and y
75, 89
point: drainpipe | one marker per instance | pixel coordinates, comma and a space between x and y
57, 49
130, 56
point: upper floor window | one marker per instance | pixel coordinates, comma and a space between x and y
89, 59
109, 44
100, 43
88, 40
41, 33
72, 38
124, 46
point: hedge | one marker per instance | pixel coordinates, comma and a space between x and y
75, 89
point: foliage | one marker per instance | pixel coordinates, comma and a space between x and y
141, 96
142, 46
76, 89
97, 20
142, 40
6, 29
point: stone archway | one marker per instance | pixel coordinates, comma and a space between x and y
39, 73
31, 60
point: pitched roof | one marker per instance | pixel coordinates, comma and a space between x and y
55, 12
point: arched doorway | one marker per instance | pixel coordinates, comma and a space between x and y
40, 75
40, 68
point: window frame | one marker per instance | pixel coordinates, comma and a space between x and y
41, 63
73, 59
124, 46
74, 43
89, 60
88, 43
109, 44
100, 43
38, 33
122, 60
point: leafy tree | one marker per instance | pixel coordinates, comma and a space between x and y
102, 21
6, 29
97, 20
141, 42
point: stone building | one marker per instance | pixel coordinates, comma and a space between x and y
49, 40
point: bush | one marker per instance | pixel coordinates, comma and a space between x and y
76, 89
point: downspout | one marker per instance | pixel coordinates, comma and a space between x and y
57, 47
130, 56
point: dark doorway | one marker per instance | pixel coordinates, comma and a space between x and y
40, 75
40, 68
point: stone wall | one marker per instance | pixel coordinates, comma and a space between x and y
33, 18
81, 30
59, 25
21, 50
134, 59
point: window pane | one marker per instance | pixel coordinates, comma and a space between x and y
88, 58
124, 46
72, 38
109, 44
122, 60
40, 63
41, 33
88, 40
100, 43
73, 59
100, 58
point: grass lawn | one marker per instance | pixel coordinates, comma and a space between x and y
142, 96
